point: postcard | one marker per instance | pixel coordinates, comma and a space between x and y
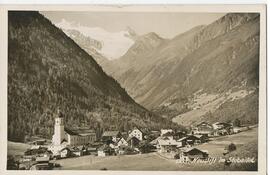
177, 89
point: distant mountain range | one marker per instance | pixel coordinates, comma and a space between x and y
220, 59
47, 70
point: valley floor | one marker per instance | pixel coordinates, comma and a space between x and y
155, 162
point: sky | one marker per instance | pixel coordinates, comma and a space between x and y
165, 24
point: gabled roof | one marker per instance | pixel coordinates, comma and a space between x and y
121, 139
66, 148
168, 134
136, 127
155, 141
191, 149
79, 131
110, 133
167, 142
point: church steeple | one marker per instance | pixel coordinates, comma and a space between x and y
59, 133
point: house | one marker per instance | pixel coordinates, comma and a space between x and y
156, 134
122, 142
28, 158
133, 142
192, 140
111, 136
221, 132
167, 145
169, 135
138, 133
73, 137
164, 131
193, 153
76, 151
84, 149
36, 151
42, 163
42, 159
92, 150
239, 129
155, 142
202, 137
47, 153
182, 142
65, 152
126, 150
121, 150
39, 142
105, 150
179, 134
221, 125
203, 128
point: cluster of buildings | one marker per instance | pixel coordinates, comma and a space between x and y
216, 129
166, 142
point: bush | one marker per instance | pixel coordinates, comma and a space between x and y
231, 147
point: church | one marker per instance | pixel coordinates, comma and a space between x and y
72, 137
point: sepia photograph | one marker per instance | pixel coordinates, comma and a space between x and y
120, 90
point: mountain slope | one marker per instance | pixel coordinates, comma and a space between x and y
91, 46
47, 70
218, 60
135, 55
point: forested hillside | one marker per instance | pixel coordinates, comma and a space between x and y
47, 70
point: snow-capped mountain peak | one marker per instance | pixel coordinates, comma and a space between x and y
114, 44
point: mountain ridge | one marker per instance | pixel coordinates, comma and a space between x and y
217, 58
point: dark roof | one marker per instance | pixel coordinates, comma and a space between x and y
65, 148
79, 131
168, 134
194, 149
193, 136
64, 140
70, 132
110, 133
203, 123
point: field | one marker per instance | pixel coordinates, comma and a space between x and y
217, 145
153, 161
16, 148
